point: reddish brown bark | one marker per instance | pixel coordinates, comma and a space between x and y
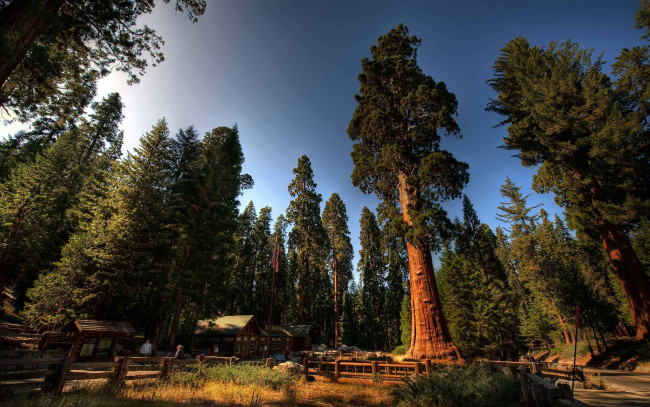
180, 301
567, 338
632, 278
21, 26
429, 333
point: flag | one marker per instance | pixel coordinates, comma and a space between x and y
275, 260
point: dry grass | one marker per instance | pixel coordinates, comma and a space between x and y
322, 392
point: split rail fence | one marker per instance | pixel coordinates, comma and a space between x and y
51, 374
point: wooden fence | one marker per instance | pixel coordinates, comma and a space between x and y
51, 374
364, 370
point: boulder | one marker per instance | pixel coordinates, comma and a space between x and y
289, 367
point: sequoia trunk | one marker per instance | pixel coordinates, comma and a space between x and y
21, 24
628, 270
429, 333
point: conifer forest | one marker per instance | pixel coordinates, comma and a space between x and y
159, 234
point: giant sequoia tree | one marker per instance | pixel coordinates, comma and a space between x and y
588, 137
396, 129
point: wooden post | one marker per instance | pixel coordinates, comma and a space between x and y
337, 368
42, 344
375, 367
58, 380
305, 367
417, 367
111, 351
427, 365
528, 402
123, 369
167, 365
231, 360
75, 345
200, 359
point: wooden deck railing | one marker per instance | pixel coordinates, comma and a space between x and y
51, 374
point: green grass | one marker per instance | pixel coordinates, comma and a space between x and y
454, 386
565, 350
237, 374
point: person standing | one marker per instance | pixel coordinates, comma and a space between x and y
145, 349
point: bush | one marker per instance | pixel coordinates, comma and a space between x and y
237, 374
400, 350
451, 386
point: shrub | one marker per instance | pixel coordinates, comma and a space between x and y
451, 386
595, 381
400, 350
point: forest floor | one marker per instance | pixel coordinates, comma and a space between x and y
322, 392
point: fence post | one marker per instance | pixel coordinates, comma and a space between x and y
123, 369
167, 365
427, 365
305, 367
42, 344
58, 380
337, 368
200, 359
375, 367
525, 390
417, 367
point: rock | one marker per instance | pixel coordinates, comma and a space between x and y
289, 367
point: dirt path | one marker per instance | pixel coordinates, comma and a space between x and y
628, 389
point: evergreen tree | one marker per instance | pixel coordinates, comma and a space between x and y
588, 137
335, 222
242, 281
396, 129
308, 238
479, 303
38, 202
350, 316
537, 276
372, 273
262, 254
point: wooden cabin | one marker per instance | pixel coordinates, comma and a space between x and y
236, 335
241, 336
95, 339
281, 338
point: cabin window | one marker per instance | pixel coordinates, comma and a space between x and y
275, 344
227, 346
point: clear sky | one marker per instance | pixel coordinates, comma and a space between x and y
286, 73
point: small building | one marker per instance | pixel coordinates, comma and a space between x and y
96, 339
241, 336
236, 335
282, 338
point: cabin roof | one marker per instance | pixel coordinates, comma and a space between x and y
298, 331
228, 325
96, 326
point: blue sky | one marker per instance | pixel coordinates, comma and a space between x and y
286, 73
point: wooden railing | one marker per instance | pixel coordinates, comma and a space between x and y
51, 374
364, 370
